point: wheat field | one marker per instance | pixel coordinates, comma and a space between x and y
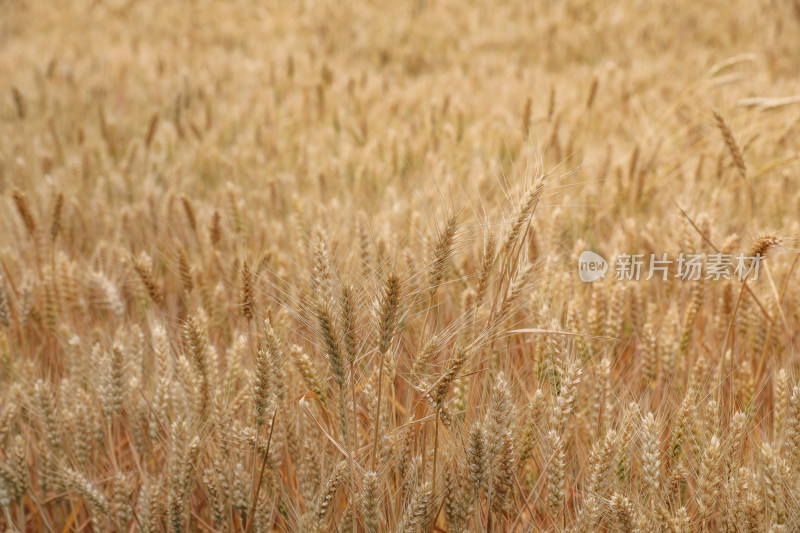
314, 266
